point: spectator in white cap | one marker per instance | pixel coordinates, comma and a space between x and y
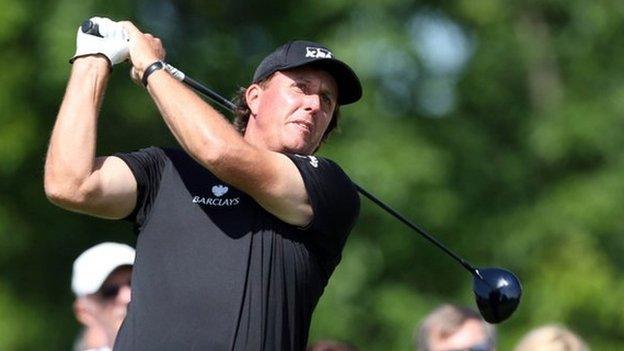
101, 283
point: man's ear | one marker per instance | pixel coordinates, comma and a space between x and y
252, 96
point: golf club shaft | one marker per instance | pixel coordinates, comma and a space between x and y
417, 228
199, 87
90, 27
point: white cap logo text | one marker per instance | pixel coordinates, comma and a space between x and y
318, 52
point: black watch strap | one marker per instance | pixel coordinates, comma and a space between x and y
151, 69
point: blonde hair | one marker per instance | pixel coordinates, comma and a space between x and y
551, 338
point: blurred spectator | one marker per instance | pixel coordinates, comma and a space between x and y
101, 283
551, 338
330, 345
451, 327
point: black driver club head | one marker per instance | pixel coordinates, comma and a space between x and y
497, 292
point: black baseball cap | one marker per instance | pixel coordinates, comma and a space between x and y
298, 53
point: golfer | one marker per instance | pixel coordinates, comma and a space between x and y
238, 231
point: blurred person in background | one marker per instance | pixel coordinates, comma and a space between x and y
551, 338
331, 345
454, 328
101, 282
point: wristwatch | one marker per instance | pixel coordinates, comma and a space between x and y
155, 66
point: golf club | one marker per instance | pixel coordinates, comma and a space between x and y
497, 291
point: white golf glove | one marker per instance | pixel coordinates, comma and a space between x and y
113, 44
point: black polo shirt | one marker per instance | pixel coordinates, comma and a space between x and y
214, 270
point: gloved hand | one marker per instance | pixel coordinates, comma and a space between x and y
113, 44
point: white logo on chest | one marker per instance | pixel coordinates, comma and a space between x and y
219, 190
219, 201
314, 162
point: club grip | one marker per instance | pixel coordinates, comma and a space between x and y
90, 27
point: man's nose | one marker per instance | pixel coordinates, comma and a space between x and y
124, 294
313, 102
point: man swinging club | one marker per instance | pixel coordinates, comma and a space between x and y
238, 232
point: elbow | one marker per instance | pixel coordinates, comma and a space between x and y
57, 193
64, 194
212, 155
52, 188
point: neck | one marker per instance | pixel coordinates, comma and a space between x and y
93, 338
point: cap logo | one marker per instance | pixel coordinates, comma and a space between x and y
315, 52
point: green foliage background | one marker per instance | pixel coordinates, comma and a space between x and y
522, 168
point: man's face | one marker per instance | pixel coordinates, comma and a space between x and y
291, 112
111, 301
471, 336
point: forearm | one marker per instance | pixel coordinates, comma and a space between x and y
201, 130
71, 153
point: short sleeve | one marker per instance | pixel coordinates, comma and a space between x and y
335, 204
147, 166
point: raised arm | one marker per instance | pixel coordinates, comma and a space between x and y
268, 176
74, 178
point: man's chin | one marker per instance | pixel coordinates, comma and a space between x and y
119, 322
304, 150
120, 315
300, 147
